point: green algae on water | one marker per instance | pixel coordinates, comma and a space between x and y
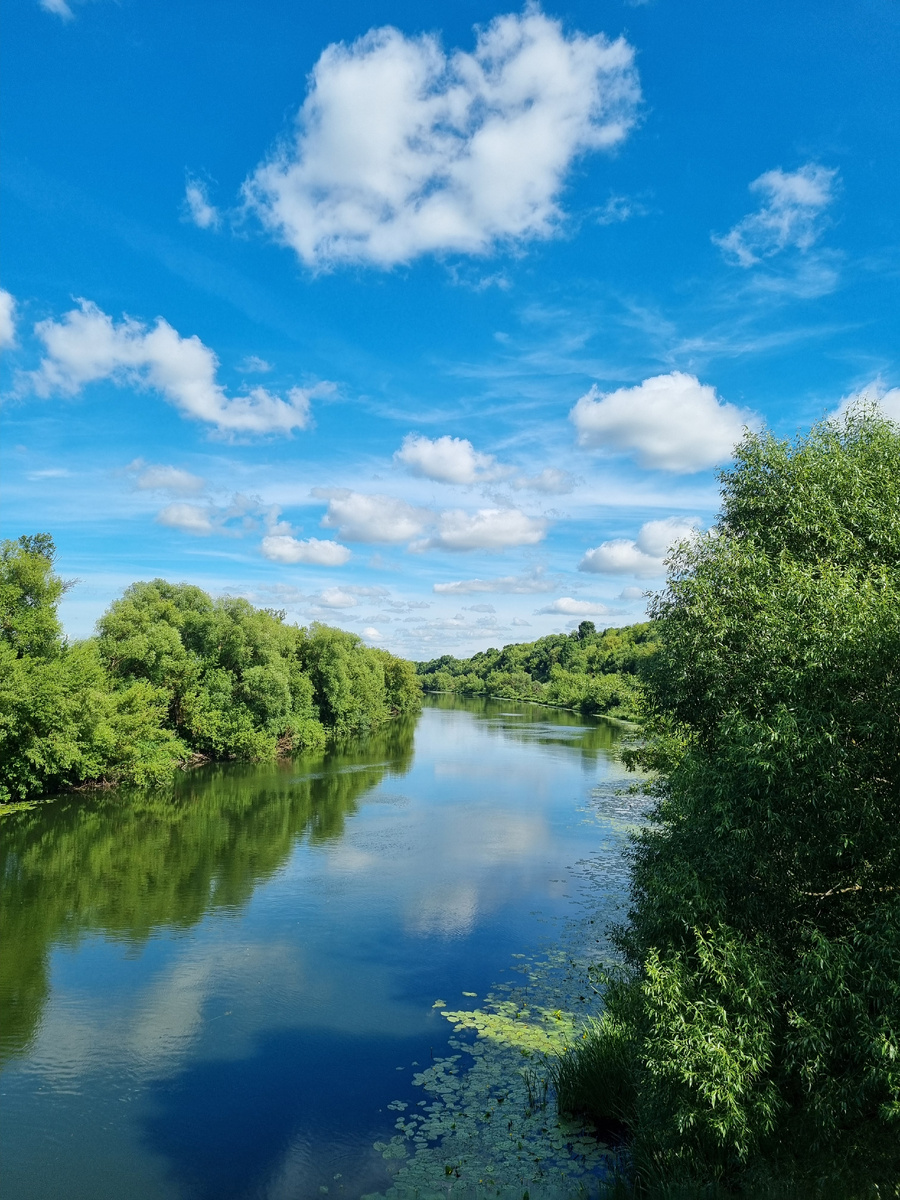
488, 1127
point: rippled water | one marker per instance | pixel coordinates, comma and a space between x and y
218, 994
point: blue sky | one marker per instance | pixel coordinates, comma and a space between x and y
432, 322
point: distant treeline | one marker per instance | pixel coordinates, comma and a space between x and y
585, 670
171, 676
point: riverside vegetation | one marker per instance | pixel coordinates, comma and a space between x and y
594, 673
750, 1043
171, 677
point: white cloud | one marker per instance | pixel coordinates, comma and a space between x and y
550, 481
790, 216
49, 473
673, 422
86, 346
482, 608
520, 623
199, 209
243, 514
486, 529
631, 593
252, 364
401, 149
533, 582
335, 597
444, 459
619, 208
59, 8
156, 477
282, 548
361, 518
372, 635
189, 518
7, 319
645, 556
574, 608
887, 399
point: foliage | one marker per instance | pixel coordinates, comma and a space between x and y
171, 673
763, 1003
595, 673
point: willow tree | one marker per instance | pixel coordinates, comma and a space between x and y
757, 1031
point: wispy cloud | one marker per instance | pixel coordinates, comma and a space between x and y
790, 216
7, 320
59, 8
526, 584
197, 206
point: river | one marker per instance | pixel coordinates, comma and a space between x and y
219, 994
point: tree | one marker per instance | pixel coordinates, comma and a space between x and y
762, 1004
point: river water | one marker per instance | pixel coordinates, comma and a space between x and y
217, 995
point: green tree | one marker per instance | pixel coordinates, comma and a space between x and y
762, 1008
172, 673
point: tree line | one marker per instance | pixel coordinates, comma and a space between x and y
592, 672
750, 1042
171, 676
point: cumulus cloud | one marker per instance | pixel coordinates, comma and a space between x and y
790, 216
86, 346
527, 584
160, 478
486, 529
444, 459
631, 593
574, 608
7, 319
673, 422
645, 556
189, 518
198, 207
335, 597
243, 514
283, 548
401, 149
371, 518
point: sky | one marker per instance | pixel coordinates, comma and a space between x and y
434, 322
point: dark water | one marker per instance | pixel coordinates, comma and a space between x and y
217, 995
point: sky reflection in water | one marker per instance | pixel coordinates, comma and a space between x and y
218, 995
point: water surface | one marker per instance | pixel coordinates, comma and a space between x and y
217, 994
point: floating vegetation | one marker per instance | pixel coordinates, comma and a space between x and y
487, 1128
